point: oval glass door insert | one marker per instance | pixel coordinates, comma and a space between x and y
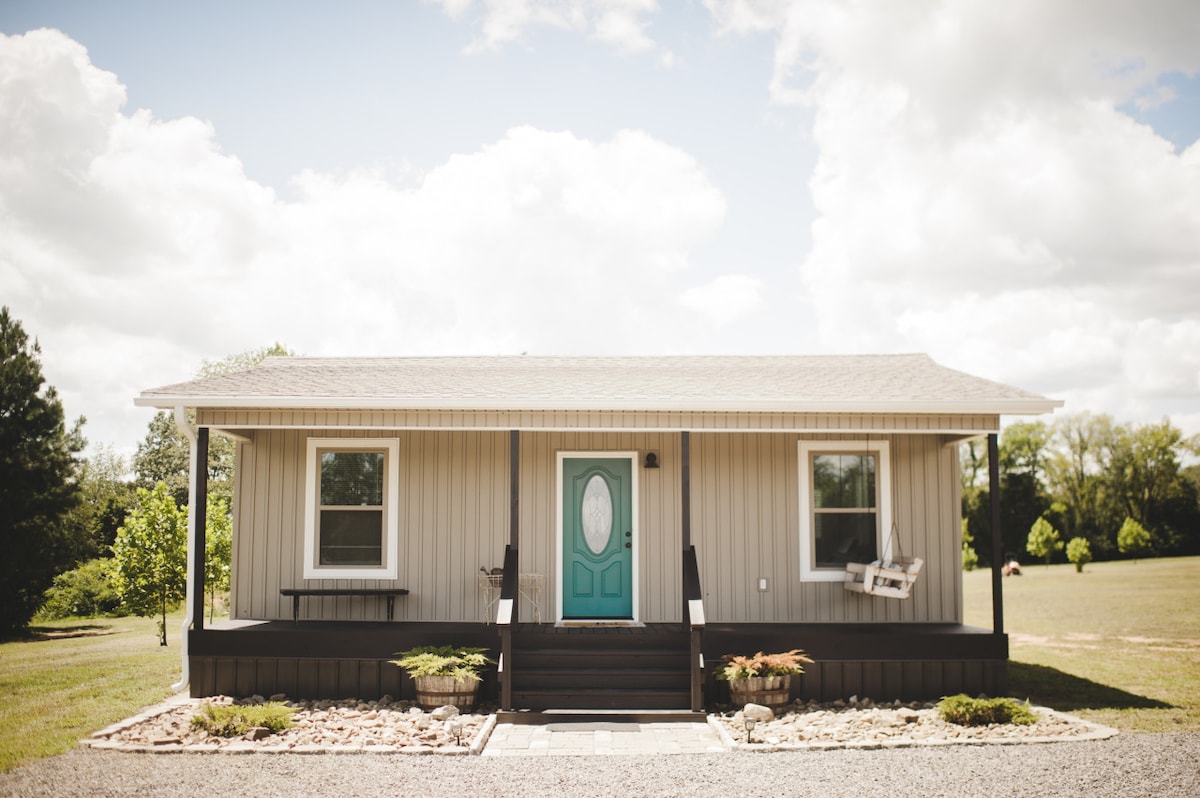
596, 514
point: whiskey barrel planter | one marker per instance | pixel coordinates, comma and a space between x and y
770, 691
440, 691
444, 675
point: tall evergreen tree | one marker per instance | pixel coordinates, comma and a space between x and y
38, 478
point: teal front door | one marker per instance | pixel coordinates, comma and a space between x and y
597, 529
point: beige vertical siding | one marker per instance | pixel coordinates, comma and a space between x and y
454, 491
745, 525
453, 519
658, 547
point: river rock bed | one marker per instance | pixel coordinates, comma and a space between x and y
865, 724
346, 725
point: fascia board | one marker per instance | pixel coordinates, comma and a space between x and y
1020, 407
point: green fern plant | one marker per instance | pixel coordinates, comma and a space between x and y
464, 663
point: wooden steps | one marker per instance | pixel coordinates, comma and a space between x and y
600, 669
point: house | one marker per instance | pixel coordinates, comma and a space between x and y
610, 525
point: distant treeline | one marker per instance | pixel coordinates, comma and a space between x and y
1086, 474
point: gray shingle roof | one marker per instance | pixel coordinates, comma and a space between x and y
856, 383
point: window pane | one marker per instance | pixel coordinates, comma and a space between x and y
351, 537
843, 538
844, 480
352, 479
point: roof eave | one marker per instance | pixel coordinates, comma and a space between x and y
1018, 407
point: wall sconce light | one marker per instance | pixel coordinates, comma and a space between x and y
651, 460
749, 723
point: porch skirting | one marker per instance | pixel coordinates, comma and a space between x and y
350, 660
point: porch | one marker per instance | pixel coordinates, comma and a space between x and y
553, 667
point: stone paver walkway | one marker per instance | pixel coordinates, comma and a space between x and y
586, 739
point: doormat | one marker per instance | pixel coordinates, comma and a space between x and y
593, 727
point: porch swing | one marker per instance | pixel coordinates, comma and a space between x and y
891, 576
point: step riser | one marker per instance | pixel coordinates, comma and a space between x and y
627, 701
608, 662
665, 680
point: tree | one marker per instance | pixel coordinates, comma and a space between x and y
1076, 480
150, 555
1023, 498
165, 455
1079, 553
218, 548
107, 495
1133, 539
38, 479
1043, 540
970, 560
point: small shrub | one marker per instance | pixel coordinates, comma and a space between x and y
967, 711
464, 663
85, 592
1079, 552
970, 559
1133, 539
225, 720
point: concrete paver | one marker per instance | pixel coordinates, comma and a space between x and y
601, 739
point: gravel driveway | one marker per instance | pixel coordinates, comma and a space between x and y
1160, 765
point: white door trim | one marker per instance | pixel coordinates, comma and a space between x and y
632, 457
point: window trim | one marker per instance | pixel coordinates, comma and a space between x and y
389, 568
883, 493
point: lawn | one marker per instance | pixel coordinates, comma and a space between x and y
1118, 644
70, 678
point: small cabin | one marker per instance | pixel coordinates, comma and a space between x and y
608, 526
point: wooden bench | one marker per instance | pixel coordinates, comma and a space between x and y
297, 592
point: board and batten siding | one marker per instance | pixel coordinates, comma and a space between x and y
745, 526
453, 520
454, 505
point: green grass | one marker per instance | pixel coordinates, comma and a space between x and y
68, 679
1118, 644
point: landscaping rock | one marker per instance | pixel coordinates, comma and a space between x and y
758, 712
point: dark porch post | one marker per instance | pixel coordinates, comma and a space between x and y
509, 590
200, 500
685, 490
997, 538
514, 488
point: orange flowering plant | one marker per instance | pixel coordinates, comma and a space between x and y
739, 666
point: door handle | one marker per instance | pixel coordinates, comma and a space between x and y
629, 545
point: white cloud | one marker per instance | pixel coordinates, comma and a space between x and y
726, 299
980, 196
134, 248
620, 24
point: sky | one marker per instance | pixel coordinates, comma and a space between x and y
1012, 188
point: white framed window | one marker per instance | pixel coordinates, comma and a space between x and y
845, 506
351, 508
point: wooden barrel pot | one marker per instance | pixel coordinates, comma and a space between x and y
770, 691
440, 691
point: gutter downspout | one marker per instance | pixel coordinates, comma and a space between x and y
190, 433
